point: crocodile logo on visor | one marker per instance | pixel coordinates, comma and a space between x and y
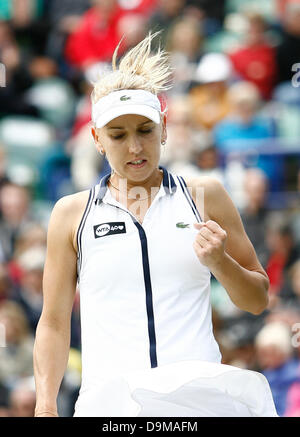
124, 98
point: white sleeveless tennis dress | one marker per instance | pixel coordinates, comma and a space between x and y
145, 310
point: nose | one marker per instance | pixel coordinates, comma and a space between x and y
135, 146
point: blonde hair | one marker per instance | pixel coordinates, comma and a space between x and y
138, 69
275, 334
244, 91
15, 313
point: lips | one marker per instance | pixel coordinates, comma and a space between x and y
137, 163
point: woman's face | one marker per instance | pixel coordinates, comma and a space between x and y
130, 138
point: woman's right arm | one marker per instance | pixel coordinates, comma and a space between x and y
52, 342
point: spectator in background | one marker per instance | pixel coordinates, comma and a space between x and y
6, 284
237, 340
205, 156
22, 398
16, 78
96, 36
204, 159
30, 293
41, 67
283, 252
244, 129
28, 23
179, 142
83, 108
275, 360
255, 60
16, 356
98, 32
212, 13
289, 294
288, 51
9, 50
64, 17
15, 215
134, 27
87, 165
243, 122
52, 95
209, 92
254, 213
184, 43
185, 38
32, 235
164, 17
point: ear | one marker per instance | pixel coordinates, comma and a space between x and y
96, 139
93, 131
164, 134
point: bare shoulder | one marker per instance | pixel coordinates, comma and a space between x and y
71, 203
208, 182
208, 193
67, 213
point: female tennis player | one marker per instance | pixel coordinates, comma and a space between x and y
142, 248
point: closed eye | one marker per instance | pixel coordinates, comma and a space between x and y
118, 137
146, 131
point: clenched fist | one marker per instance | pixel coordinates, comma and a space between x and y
209, 243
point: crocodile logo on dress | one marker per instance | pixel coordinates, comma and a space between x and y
182, 225
124, 98
109, 228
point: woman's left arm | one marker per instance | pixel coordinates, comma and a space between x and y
224, 247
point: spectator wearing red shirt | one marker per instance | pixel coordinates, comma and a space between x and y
255, 61
97, 34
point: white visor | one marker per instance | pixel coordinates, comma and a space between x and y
123, 102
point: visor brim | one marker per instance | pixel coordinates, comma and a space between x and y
115, 112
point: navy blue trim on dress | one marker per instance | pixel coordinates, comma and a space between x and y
148, 288
102, 188
189, 198
80, 229
168, 183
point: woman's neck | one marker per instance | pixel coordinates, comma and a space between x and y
136, 190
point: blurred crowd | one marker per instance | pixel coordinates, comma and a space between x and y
233, 113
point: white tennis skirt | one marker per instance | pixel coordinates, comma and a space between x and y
182, 389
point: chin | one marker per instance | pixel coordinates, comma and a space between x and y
139, 173
138, 178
